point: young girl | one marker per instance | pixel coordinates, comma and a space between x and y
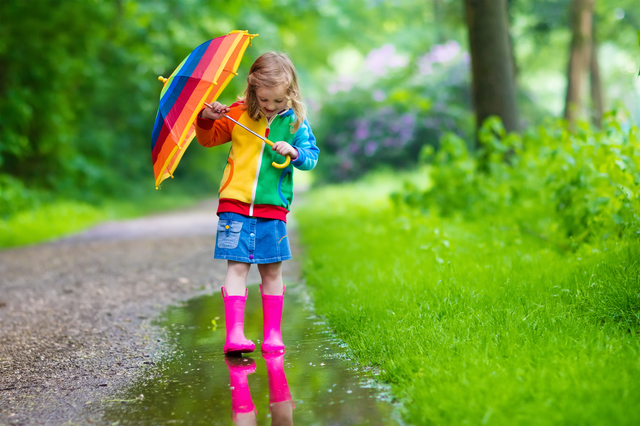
255, 197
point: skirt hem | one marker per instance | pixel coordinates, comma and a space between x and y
256, 261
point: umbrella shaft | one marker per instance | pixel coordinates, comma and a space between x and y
246, 128
264, 139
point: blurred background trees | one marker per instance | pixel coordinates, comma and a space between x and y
382, 78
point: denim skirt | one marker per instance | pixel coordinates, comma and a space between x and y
251, 239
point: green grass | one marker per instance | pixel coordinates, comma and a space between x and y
63, 217
476, 323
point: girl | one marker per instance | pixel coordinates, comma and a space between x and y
255, 197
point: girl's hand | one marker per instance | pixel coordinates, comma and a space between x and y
215, 111
285, 149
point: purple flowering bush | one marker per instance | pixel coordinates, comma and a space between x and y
395, 106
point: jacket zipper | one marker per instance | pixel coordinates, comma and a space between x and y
255, 182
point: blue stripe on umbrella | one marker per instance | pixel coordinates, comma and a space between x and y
177, 84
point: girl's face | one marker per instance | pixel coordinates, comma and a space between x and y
272, 100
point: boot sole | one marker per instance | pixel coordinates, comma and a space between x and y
237, 352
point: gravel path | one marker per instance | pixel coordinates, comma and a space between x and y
76, 314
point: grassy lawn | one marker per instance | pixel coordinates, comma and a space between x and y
476, 323
63, 217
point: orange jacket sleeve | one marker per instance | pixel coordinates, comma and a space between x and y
213, 132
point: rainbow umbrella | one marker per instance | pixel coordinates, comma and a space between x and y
200, 78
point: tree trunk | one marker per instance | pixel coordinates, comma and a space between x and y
581, 29
493, 83
596, 85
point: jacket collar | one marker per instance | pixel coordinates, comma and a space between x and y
284, 113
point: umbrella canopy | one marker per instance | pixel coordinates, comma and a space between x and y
200, 78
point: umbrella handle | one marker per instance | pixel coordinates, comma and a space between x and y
274, 164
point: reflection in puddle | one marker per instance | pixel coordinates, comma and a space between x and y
243, 409
311, 384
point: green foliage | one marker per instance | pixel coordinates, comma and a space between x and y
79, 91
29, 218
472, 321
48, 221
540, 32
570, 187
14, 196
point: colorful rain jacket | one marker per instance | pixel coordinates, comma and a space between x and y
250, 184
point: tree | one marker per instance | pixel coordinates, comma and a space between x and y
595, 83
493, 81
579, 57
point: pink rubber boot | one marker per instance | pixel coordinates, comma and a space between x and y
272, 317
236, 343
278, 386
241, 402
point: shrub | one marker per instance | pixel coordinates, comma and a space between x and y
14, 196
577, 186
386, 114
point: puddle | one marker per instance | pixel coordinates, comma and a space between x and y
198, 385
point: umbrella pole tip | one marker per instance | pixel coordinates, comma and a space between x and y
162, 79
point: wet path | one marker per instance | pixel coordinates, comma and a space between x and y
193, 385
78, 331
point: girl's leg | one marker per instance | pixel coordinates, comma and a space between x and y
234, 294
272, 290
271, 274
235, 282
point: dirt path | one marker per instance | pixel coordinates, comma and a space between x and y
76, 314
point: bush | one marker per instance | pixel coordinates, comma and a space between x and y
576, 186
394, 107
14, 196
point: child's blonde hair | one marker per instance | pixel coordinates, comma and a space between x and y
270, 70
